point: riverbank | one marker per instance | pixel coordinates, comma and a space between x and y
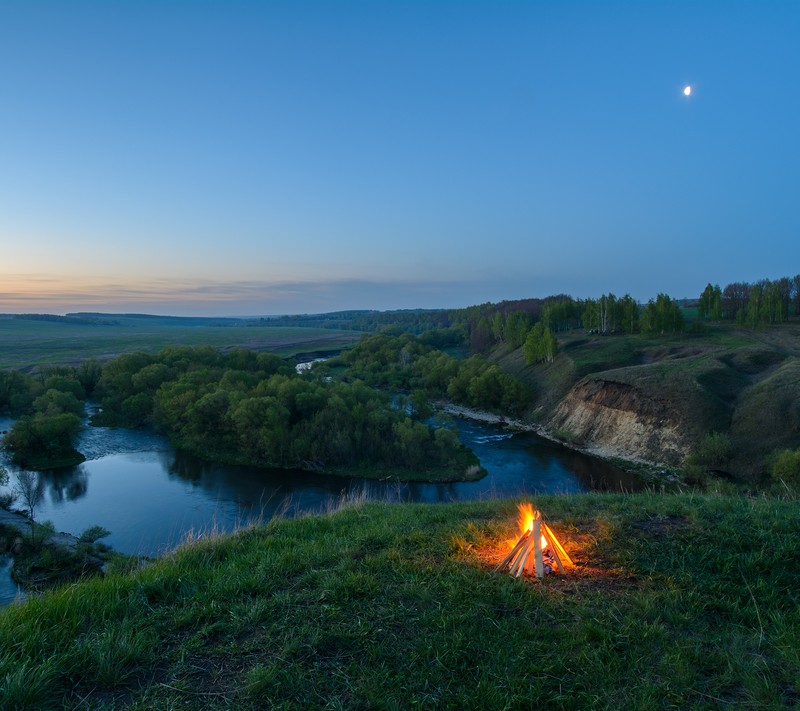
23, 525
381, 605
651, 473
43, 557
488, 417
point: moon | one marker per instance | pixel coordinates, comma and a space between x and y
687, 90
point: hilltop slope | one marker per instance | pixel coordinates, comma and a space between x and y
657, 399
689, 601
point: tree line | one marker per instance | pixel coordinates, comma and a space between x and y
608, 314
480, 327
407, 363
533, 324
751, 304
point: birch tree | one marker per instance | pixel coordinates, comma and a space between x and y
30, 493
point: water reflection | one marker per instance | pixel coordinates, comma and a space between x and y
150, 496
66, 484
180, 464
593, 473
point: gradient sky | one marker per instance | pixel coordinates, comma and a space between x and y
244, 158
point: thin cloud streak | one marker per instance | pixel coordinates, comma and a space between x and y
250, 297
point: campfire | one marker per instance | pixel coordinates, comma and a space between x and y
537, 550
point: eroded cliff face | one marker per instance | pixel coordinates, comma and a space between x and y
617, 419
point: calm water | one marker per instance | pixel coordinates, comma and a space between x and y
9, 590
151, 497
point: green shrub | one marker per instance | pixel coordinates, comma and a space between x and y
694, 475
785, 469
715, 449
44, 531
94, 534
567, 436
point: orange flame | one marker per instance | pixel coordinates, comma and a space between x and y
525, 518
525, 521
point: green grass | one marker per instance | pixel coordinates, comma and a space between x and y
604, 353
771, 407
676, 602
28, 343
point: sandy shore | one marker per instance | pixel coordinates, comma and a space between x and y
482, 416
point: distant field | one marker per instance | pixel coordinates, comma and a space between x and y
25, 344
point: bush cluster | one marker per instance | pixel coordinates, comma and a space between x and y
250, 408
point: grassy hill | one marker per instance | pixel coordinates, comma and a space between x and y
741, 382
675, 601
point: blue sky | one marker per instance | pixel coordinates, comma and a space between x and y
283, 157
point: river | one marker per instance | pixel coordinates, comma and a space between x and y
152, 497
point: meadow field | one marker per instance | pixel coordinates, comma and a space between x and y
30, 343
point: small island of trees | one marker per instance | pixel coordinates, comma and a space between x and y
243, 407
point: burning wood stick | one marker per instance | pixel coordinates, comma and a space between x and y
537, 537
519, 566
521, 542
557, 549
528, 554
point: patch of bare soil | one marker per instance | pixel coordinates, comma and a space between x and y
661, 527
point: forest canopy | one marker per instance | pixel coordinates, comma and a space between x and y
252, 408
